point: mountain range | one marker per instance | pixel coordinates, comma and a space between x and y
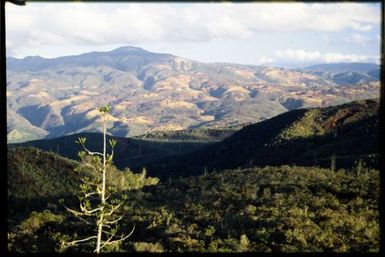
151, 92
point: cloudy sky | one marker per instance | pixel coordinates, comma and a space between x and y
279, 34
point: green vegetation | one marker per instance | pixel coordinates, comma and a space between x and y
37, 179
286, 208
318, 122
289, 209
35, 173
194, 135
309, 125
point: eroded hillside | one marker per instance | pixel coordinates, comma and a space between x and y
155, 92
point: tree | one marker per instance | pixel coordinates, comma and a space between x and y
99, 205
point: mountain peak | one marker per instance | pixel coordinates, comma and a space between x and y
128, 49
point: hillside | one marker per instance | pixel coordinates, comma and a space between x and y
128, 151
33, 173
274, 209
37, 179
192, 134
304, 137
48, 98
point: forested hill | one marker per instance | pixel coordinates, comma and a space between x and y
311, 137
33, 173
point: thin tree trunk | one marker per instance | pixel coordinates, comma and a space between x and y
99, 236
100, 223
104, 160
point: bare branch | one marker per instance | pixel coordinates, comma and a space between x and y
118, 240
88, 164
108, 233
76, 242
107, 197
89, 212
115, 220
107, 226
90, 194
76, 213
89, 182
84, 220
90, 152
113, 209
109, 239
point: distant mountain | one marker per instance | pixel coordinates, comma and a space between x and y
47, 98
123, 58
304, 137
347, 73
344, 67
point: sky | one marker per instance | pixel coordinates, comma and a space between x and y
273, 34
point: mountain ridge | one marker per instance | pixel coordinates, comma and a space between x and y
150, 91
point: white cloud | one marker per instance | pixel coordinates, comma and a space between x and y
338, 57
264, 60
361, 27
299, 56
136, 23
357, 39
